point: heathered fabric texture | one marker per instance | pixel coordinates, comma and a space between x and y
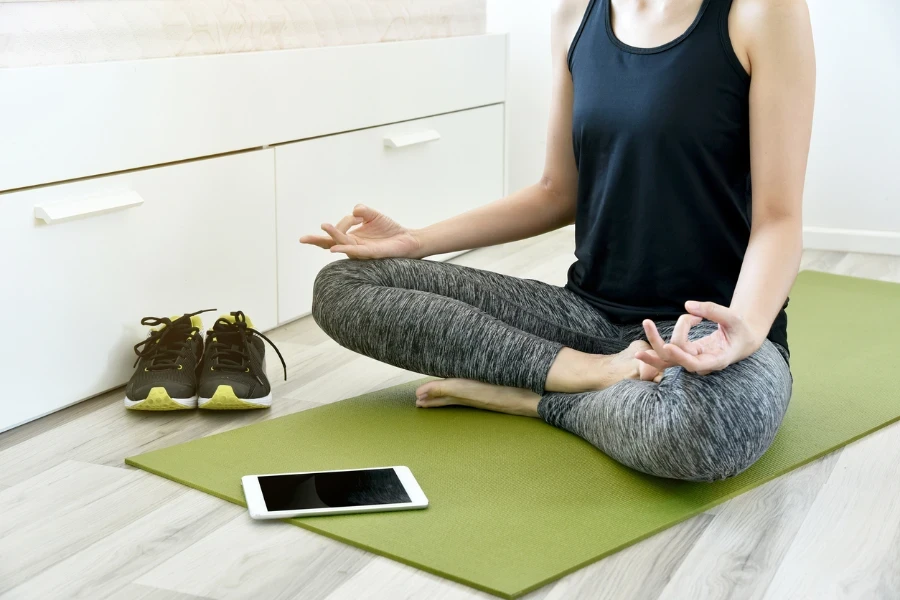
452, 321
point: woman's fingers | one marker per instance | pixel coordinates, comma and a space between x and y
651, 358
682, 358
697, 357
339, 236
712, 311
347, 222
653, 337
353, 251
647, 372
703, 364
681, 331
365, 213
317, 240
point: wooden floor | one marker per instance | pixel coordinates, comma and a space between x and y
76, 523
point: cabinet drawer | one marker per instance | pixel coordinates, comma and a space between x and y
417, 172
75, 291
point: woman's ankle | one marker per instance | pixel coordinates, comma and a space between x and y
575, 371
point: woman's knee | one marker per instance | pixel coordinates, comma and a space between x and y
711, 437
689, 455
705, 455
652, 430
342, 290
339, 272
350, 273
334, 285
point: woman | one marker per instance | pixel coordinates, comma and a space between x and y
667, 105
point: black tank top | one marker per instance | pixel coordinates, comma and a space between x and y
662, 145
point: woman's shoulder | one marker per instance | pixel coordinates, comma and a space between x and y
567, 16
753, 23
759, 14
569, 9
568, 12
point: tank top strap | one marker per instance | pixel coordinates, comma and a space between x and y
589, 15
719, 13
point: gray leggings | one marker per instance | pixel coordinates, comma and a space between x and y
447, 320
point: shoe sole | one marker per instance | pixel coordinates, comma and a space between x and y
159, 400
226, 399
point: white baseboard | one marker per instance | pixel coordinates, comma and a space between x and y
852, 240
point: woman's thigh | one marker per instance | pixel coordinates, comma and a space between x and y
550, 312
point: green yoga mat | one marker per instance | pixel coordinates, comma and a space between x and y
515, 503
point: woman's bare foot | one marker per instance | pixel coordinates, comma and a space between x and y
625, 366
465, 392
574, 371
603, 372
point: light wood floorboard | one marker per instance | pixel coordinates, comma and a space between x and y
62, 512
269, 560
748, 537
384, 579
134, 591
76, 523
108, 435
848, 545
107, 567
640, 571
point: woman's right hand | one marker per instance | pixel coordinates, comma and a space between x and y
367, 234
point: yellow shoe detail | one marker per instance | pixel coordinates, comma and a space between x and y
230, 319
226, 399
196, 321
158, 400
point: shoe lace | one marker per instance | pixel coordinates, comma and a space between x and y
230, 346
164, 346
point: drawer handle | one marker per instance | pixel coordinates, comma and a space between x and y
411, 139
77, 208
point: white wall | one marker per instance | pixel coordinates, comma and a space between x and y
528, 84
852, 197
853, 184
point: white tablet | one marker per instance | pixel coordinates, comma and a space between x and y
314, 493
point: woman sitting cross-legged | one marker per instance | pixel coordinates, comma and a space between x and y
667, 348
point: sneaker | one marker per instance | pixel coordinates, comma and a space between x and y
233, 376
166, 367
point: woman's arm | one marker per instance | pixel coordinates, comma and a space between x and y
774, 39
546, 205
531, 211
782, 93
539, 208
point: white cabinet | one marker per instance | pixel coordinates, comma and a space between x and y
174, 239
417, 172
82, 262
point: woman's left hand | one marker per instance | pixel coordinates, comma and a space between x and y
732, 341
